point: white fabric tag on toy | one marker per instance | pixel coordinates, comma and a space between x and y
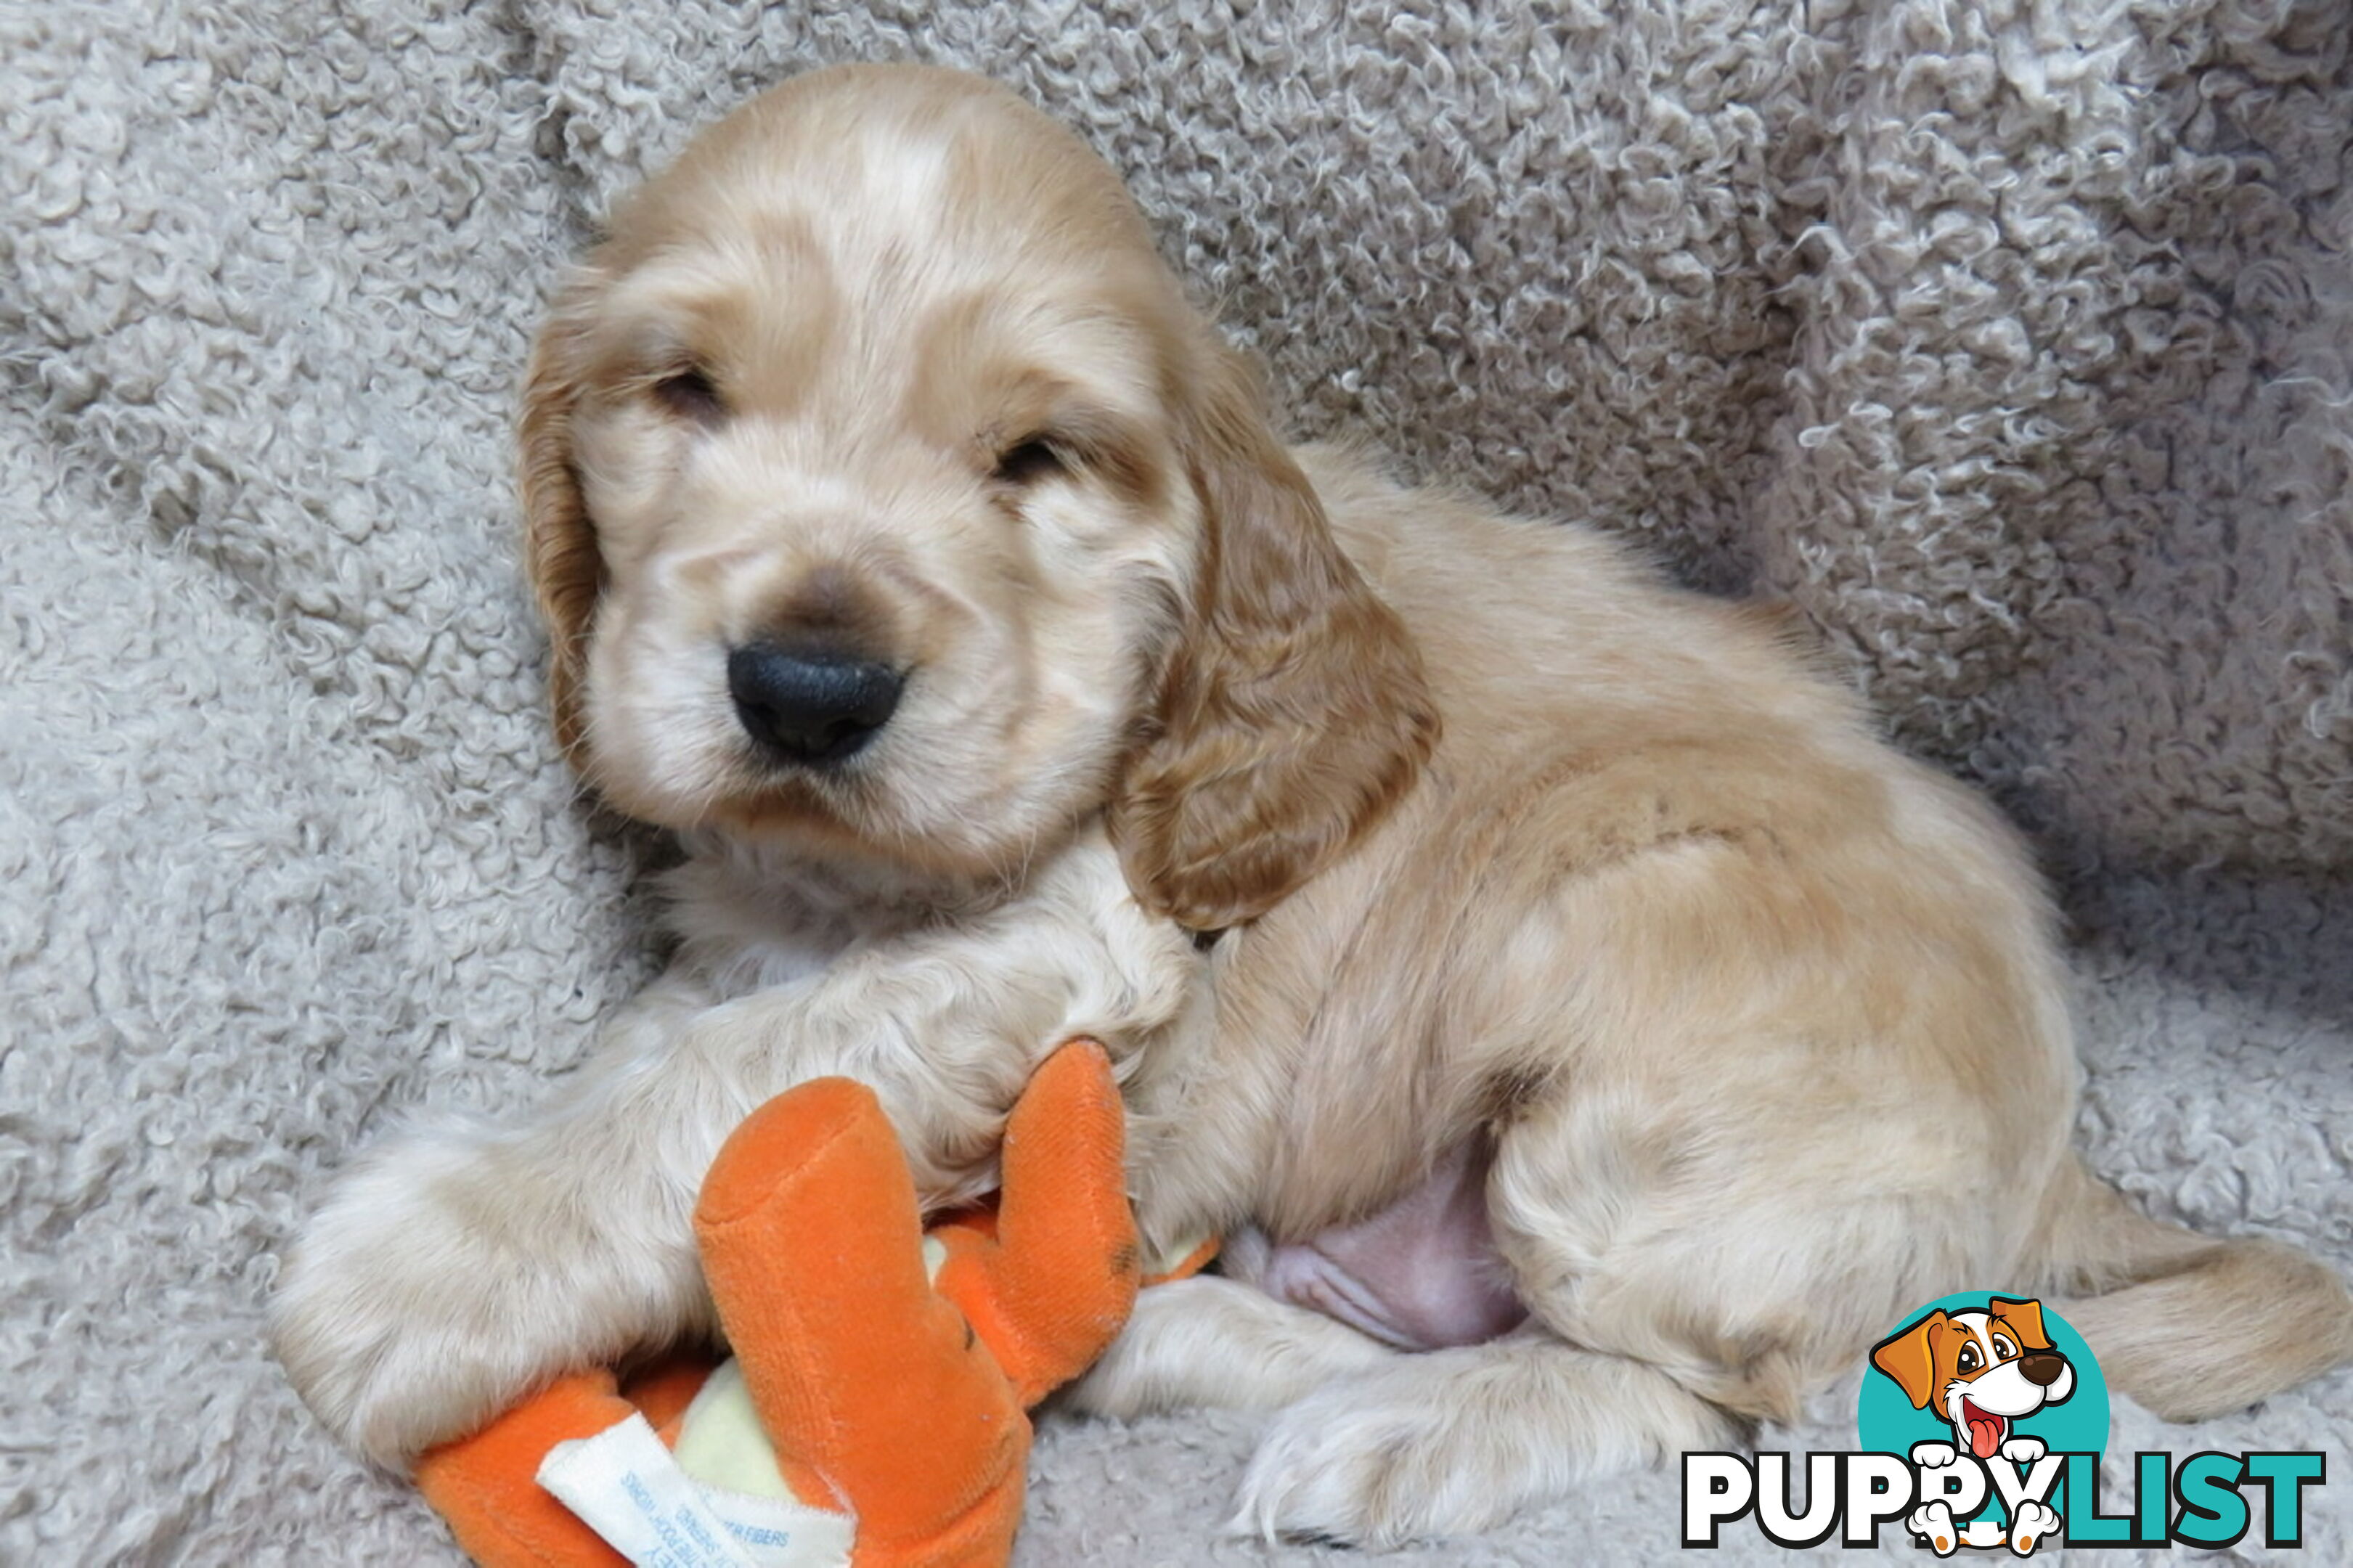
628, 1488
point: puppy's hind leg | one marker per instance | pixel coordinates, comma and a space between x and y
1674, 1298
1451, 1441
1215, 1341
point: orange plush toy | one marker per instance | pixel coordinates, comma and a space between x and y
875, 1415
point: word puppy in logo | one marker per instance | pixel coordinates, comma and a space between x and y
1981, 1372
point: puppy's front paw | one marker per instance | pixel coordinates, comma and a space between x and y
2022, 1450
1934, 1456
438, 1285
390, 1317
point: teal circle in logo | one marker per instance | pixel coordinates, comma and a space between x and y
1937, 1360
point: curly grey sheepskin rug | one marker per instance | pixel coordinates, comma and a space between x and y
2012, 342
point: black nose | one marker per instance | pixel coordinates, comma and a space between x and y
811, 706
2041, 1368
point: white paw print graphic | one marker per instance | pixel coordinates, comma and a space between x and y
2036, 1520
1933, 1522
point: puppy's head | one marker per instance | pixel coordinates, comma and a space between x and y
883, 494
1980, 1370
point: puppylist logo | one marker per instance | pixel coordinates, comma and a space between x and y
1981, 1427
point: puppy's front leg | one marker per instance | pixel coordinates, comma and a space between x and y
946, 1023
456, 1266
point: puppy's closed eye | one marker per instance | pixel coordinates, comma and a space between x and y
1028, 461
691, 393
1080, 442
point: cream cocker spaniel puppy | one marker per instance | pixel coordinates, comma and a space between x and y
1607, 1038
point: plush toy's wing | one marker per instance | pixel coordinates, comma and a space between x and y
485, 1486
873, 1389
1057, 1283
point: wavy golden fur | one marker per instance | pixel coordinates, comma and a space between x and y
1293, 712
1758, 1027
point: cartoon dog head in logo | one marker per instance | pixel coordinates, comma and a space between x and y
1980, 1371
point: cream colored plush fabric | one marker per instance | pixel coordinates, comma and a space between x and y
2013, 342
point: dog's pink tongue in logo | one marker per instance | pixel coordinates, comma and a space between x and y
1985, 1431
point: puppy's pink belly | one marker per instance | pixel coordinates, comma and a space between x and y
1421, 1274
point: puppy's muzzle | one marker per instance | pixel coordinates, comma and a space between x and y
810, 707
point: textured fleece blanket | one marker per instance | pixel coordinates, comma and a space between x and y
2011, 340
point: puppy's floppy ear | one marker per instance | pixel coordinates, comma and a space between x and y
2026, 1317
1910, 1358
1293, 711
559, 544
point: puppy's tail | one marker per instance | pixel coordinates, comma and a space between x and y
2189, 1326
